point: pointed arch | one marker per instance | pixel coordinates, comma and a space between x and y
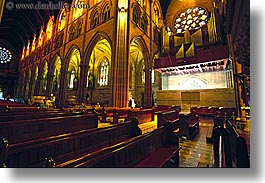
157, 12
194, 82
106, 11
61, 20
68, 55
142, 45
95, 17
95, 39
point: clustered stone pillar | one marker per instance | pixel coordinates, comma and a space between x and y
120, 56
63, 87
82, 83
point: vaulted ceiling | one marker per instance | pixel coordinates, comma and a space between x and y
19, 26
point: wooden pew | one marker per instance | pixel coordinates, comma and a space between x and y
153, 149
32, 115
143, 115
163, 117
107, 112
23, 110
119, 114
3, 152
204, 111
227, 112
188, 125
222, 148
239, 147
24, 130
68, 146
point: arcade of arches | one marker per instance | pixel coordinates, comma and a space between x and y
158, 55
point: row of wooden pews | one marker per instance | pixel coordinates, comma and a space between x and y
18, 127
59, 136
68, 145
153, 149
231, 148
211, 111
189, 125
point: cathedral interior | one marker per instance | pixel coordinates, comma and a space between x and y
184, 53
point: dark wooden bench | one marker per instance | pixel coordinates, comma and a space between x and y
227, 112
32, 115
188, 125
239, 147
163, 117
205, 111
143, 115
135, 152
67, 146
107, 112
119, 114
221, 147
23, 110
24, 130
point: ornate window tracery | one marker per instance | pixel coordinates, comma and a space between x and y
192, 19
5, 55
104, 73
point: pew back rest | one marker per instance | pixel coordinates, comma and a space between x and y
143, 116
66, 146
33, 115
239, 149
24, 130
222, 148
167, 116
131, 153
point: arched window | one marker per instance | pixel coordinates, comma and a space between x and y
90, 80
143, 23
103, 73
141, 2
56, 73
106, 13
62, 19
44, 77
156, 14
152, 74
33, 44
41, 36
136, 13
192, 19
49, 28
5, 55
95, 19
71, 32
78, 10
72, 79
79, 28
97, 1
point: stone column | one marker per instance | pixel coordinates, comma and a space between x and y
62, 88
38, 85
120, 55
235, 76
81, 93
31, 83
148, 87
49, 87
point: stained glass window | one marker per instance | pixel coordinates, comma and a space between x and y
104, 73
5, 55
191, 19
